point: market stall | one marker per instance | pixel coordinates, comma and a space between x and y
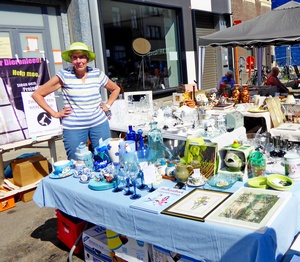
199, 240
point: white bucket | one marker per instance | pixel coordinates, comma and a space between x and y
292, 166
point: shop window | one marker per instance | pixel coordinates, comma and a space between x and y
159, 68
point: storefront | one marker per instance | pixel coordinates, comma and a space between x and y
165, 58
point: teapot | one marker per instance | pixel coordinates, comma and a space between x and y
183, 171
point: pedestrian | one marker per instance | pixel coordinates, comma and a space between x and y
227, 79
84, 115
273, 80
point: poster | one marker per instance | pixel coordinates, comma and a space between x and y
17, 76
39, 122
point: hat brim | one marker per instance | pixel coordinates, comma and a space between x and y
66, 55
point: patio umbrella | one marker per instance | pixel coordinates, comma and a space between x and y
279, 26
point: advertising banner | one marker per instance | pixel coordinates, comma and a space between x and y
19, 76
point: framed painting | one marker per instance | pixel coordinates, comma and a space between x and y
197, 204
250, 208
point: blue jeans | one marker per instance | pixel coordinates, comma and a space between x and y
72, 138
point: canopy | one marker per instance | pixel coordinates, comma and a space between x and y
279, 26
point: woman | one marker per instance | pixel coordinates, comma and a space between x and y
83, 115
274, 81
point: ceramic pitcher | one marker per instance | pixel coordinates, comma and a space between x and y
183, 171
113, 149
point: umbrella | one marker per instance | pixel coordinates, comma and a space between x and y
279, 26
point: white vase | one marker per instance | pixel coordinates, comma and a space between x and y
113, 149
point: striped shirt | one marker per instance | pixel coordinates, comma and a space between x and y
83, 98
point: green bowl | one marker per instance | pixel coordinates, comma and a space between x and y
258, 182
279, 182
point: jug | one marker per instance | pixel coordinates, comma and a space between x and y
183, 171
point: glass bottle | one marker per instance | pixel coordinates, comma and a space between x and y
131, 134
155, 143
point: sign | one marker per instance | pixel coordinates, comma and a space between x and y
39, 122
250, 62
18, 76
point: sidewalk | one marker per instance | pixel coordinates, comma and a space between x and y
28, 232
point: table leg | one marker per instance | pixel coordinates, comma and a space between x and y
52, 147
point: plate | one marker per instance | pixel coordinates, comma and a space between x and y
196, 182
222, 181
62, 175
279, 182
257, 110
258, 182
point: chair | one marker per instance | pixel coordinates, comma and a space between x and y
297, 71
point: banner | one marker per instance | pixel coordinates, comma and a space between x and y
19, 76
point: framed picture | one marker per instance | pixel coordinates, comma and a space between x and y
197, 204
250, 208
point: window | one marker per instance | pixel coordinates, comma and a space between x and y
157, 69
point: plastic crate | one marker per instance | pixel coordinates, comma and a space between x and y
69, 229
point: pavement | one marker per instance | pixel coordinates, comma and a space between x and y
28, 232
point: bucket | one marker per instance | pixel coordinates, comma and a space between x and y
292, 166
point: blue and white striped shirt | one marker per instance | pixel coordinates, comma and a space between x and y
83, 98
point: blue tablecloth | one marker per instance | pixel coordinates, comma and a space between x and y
202, 241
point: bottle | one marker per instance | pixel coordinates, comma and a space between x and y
83, 154
131, 134
155, 144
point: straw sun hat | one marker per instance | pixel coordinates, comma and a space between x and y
78, 46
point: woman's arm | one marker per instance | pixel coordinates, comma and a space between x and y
114, 93
49, 87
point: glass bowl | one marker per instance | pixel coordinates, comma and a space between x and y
222, 181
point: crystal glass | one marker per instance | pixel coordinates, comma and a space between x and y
132, 170
116, 176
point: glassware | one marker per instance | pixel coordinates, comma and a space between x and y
141, 186
155, 144
116, 174
134, 170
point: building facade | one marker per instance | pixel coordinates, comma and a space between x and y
44, 28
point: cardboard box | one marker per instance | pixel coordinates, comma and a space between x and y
29, 170
95, 245
101, 244
6, 202
243, 152
162, 255
27, 195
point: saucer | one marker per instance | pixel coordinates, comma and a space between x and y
62, 175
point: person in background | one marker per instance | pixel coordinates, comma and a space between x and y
227, 79
83, 115
274, 81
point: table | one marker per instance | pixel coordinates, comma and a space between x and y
31, 142
202, 241
288, 131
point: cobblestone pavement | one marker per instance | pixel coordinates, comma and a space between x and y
28, 232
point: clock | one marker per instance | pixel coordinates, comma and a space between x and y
234, 119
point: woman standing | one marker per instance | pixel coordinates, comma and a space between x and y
83, 115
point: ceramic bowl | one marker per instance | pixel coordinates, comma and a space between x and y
258, 182
62, 166
222, 181
279, 182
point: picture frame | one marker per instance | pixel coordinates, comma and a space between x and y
251, 209
197, 204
